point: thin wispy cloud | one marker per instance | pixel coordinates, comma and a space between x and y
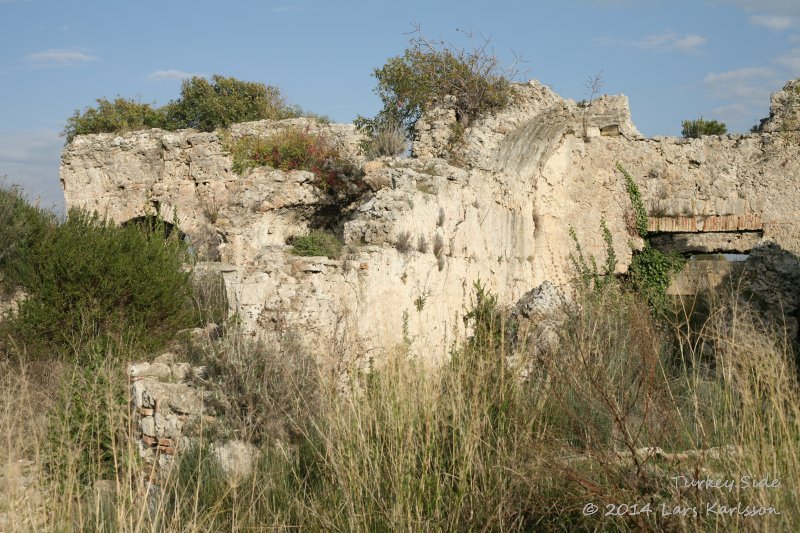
661, 42
31, 159
59, 57
775, 7
171, 74
749, 84
743, 94
772, 22
790, 60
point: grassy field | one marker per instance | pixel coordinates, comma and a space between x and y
628, 416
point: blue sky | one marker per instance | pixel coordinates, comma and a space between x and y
674, 59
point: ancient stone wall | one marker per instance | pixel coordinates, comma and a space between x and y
528, 175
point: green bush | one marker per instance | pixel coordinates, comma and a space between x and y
428, 72
207, 105
92, 283
22, 225
203, 104
317, 243
297, 149
694, 129
118, 116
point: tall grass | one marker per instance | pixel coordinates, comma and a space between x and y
621, 410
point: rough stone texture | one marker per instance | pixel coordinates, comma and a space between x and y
236, 458
227, 216
528, 175
165, 406
169, 413
539, 315
10, 303
784, 109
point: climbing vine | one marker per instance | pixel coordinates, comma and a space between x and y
651, 269
651, 272
589, 276
636, 201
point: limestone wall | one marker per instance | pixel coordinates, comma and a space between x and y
528, 175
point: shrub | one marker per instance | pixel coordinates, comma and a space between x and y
317, 243
430, 71
296, 149
694, 129
120, 116
203, 104
22, 225
207, 105
91, 281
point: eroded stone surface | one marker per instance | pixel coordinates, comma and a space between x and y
528, 175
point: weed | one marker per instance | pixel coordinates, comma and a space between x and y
425, 187
317, 243
386, 140
635, 196
422, 244
403, 242
438, 246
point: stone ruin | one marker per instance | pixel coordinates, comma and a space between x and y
526, 176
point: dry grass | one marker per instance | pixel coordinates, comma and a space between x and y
622, 409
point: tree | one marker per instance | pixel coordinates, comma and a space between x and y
428, 71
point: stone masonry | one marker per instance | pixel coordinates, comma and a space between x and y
527, 175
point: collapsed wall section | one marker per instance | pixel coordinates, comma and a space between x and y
426, 230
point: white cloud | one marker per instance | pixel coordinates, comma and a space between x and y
776, 7
750, 84
31, 159
772, 22
171, 74
59, 57
790, 60
739, 116
662, 42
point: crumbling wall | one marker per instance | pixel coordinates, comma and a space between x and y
170, 415
528, 174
